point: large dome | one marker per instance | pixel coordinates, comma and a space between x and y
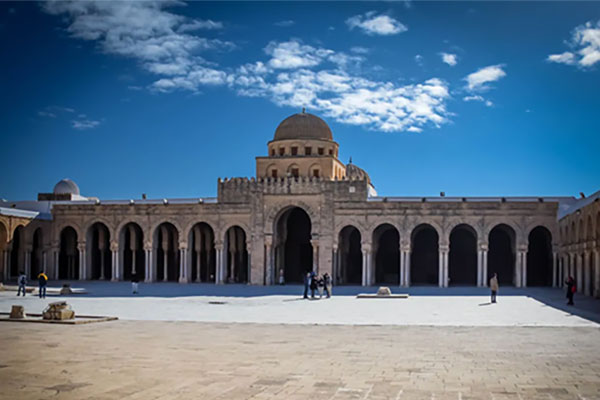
66, 186
303, 126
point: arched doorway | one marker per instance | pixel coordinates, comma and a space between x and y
36, 253
131, 245
539, 257
386, 250
424, 259
202, 253
292, 248
99, 255
16, 252
349, 271
502, 254
68, 256
463, 256
166, 244
237, 255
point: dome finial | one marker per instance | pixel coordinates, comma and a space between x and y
350, 162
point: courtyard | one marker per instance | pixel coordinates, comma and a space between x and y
246, 342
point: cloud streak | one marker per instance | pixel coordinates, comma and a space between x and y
373, 24
585, 44
477, 80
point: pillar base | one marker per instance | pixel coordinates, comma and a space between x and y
183, 280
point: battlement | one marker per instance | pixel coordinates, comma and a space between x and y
241, 190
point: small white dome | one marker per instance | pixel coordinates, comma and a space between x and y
66, 186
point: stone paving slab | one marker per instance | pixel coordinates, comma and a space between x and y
193, 360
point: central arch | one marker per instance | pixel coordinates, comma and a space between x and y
292, 248
166, 243
36, 254
463, 256
386, 242
131, 246
424, 264
202, 253
98, 248
236, 255
502, 254
68, 260
350, 257
539, 257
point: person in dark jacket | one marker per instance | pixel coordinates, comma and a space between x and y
314, 284
306, 284
327, 284
22, 282
42, 281
571, 289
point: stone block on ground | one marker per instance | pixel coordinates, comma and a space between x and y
18, 312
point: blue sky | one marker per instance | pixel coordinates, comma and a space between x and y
474, 98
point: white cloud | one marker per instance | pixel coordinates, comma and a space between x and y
450, 59
585, 42
294, 54
564, 58
284, 24
419, 59
373, 24
478, 79
145, 31
360, 50
46, 114
489, 103
473, 98
84, 124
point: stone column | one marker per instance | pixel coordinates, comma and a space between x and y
183, 270
268, 259
443, 250
28, 263
45, 262
482, 265
114, 250
586, 274
405, 266
334, 263
554, 268
315, 247
82, 259
5, 265
366, 253
579, 273
148, 258
219, 267
55, 259
521, 267
485, 267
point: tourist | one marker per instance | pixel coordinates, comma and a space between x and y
306, 284
22, 281
571, 289
281, 278
327, 283
134, 284
42, 281
494, 286
314, 284
320, 286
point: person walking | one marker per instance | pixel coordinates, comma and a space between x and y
321, 286
494, 286
134, 284
42, 281
313, 284
281, 277
571, 289
327, 284
306, 284
22, 282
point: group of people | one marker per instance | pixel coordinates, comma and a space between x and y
42, 282
570, 282
317, 284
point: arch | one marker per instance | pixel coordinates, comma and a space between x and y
539, 257
175, 224
37, 243
424, 257
573, 238
270, 168
276, 212
236, 255
104, 221
292, 247
581, 233
589, 235
386, 253
290, 170
166, 246
131, 251
17, 252
312, 168
462, 268
349, 271
68, 256
3, 236
502, 252
98, 251
201, 246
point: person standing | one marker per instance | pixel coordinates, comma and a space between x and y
42, 281
571, 288
22, 282
494, 286
281, 277
314, 284
306, 284
134, 284
327, 283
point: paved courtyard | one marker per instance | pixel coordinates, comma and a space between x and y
236, 342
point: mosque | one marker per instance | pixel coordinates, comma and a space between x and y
304, 210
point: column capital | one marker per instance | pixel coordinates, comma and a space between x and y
444, 248
183, 245
522, 248
148, 246
365, 247
334, 246
114, 245
219, 245
81, 246
314, 243
484, 246
405, 248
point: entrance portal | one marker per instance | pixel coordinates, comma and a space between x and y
292, 248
